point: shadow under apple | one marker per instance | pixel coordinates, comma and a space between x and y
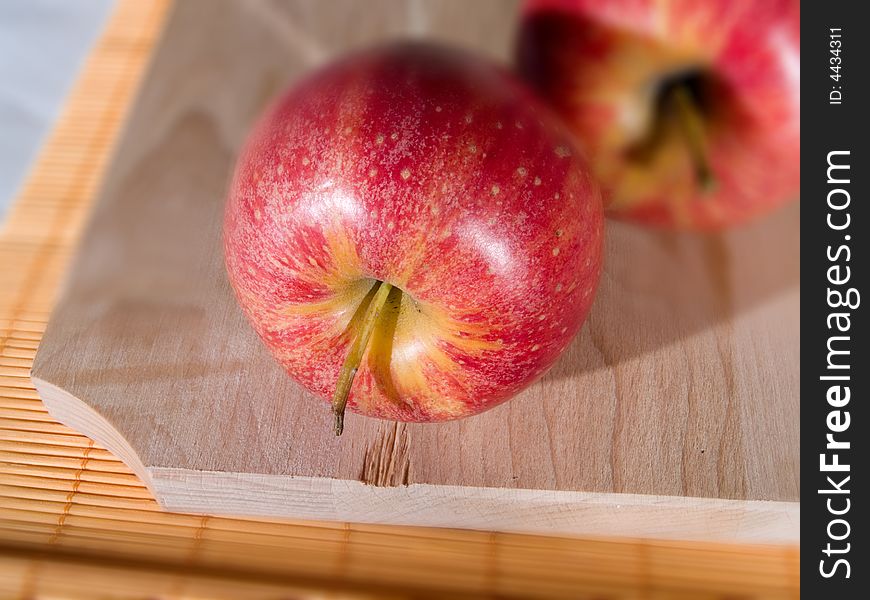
659, 287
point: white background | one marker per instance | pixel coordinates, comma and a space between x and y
42, 45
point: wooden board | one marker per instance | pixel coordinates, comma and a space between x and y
673, 414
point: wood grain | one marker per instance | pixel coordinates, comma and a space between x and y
673, 414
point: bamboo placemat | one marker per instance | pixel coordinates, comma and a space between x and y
75, 522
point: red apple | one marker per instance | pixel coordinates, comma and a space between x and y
689, 110
410, 232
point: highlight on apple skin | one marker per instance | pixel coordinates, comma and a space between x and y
412, 229
689, 110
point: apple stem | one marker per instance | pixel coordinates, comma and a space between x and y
355, 355
692, 127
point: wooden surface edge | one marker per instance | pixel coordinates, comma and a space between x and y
504, 510
76, 414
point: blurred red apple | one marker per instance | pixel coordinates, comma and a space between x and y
689, 110
410, 232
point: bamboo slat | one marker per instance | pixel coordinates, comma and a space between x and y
76, 523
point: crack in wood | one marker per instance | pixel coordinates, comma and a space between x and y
387, 462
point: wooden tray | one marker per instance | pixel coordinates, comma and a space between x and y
674, 413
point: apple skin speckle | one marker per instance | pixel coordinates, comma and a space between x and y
464, 240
